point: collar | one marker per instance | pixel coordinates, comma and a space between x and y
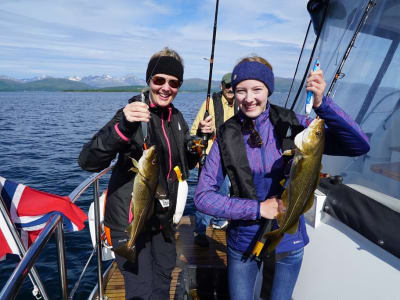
225, 102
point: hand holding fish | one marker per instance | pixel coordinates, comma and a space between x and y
316, 84
137, 112
271, 207
207, 125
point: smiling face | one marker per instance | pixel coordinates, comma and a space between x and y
251, 96
162, 94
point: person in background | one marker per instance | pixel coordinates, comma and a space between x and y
149, 116
249, 149
221, 108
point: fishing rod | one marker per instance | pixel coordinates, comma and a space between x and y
324, 7
205, 136
339, 74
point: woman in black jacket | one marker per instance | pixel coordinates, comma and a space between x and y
149, 116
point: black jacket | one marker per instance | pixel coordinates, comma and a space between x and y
106, 144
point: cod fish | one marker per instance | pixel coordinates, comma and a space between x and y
298, 197
144, 186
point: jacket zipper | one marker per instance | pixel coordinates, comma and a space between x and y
168, 144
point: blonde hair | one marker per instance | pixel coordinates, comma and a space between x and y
257, 59
168, 52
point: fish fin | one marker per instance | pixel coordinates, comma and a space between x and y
289, 152
274, 243
127, 252
135, 164
284, 197
129, 229
281, 216
309, 204
293, 228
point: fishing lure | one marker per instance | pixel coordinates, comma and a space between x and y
310, 94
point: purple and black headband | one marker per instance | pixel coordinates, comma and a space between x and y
253, 70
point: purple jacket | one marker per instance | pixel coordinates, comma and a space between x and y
343, 137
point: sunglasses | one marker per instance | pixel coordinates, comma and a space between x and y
227, 85
255, 140
174, 83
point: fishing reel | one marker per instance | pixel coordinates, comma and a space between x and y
196, 145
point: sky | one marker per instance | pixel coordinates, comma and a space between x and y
63, 38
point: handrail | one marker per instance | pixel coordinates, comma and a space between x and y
33, 274
80, 189
16, 279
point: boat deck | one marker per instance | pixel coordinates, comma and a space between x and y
190, 257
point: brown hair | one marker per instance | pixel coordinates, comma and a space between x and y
257, 59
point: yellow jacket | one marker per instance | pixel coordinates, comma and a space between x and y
229, 111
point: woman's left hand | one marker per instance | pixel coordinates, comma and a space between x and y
207, 125
315, 83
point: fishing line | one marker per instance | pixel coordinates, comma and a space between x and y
298, 63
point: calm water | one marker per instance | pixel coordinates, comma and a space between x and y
41, 136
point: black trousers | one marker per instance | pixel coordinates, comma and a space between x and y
150, 276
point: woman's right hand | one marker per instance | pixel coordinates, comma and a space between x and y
137, 112
271, 207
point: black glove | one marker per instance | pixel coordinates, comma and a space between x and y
127, 128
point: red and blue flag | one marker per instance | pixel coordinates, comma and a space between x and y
29, 210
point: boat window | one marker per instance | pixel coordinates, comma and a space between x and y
368, 89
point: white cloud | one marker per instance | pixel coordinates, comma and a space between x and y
83, 37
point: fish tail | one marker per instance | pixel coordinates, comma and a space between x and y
272, 239
128, 252
274, 243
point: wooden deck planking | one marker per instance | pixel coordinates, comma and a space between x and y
187, 254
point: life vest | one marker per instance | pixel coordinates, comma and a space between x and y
233, 150
219, 109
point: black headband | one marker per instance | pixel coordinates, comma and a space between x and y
164, 65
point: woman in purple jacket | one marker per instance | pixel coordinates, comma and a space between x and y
252, 158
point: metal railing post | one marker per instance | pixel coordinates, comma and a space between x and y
98, 238
61, 260
17, 277
33, 274
29, 257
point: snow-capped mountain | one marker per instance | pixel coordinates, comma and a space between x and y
98, 81
74, 78
36, 78
109, 81
4, 77
133, 80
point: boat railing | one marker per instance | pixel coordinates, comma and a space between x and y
28, 257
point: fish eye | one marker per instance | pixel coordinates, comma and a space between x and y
154, 162
318, 133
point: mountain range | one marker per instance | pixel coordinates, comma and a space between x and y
107, 83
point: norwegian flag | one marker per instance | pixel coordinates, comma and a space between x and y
30, 210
